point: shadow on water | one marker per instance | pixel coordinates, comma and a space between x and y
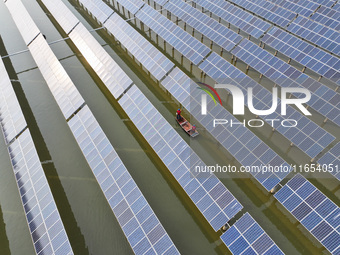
73, 231
4, 242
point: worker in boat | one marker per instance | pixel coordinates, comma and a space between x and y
193, 128
178, 113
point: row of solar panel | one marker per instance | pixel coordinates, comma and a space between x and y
304, 53
316, 212
324, 100
247, 237
331, 161
210, 196
307, 135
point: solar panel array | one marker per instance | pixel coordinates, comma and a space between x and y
99, 9
302, 7
268, 11
187, 45
316, 212
139, 223
147, 54
211, 197
235, 16
328, 17
314, 32
327, 3
307, 135
131, 5
207, 26
324, 100
304, 53
12, 120
331, 158
247, 237
44, 222
244, 145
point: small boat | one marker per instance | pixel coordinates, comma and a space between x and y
187, 127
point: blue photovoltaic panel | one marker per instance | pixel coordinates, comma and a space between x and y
268, 11
316, 33
207, 26
45, 225
316, 212
139, 223
211, 197
244, 145
187, 45
98, 8
307, 135
12, 120
327, 3
301, 7
306, 54
336, 7
328, 17
160, 2
23, 21
131, 5
147, 54
331, 161
235, 16
247, 237
324, 100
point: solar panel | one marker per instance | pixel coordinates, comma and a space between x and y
306, 54
139, 223
131, 5
332, 158
328, 17
324, 100
307, 135
336, 7
211, 197
98, 8
22, 19
268, 11
236, 16
187, 45
112, 75
45, 225
316, 212
247, 237
62, 14
12, 120
314, 32
327, 3
148, 55
207, 26
301, 7
244, 145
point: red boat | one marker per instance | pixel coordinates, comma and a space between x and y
187, 127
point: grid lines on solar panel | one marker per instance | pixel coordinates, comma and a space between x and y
131, 5
66, 19
211, 197
327, 3
247, 237
302, 7
187, 45
324, 100
139, 223
12, 119
307, 135
98, 9
304, 53
235, 16
332, 158
207, 26
268, 11
238, 140
316, 33
23, 21
328, 17
112, 75
147, 54
316, 212
44, 222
